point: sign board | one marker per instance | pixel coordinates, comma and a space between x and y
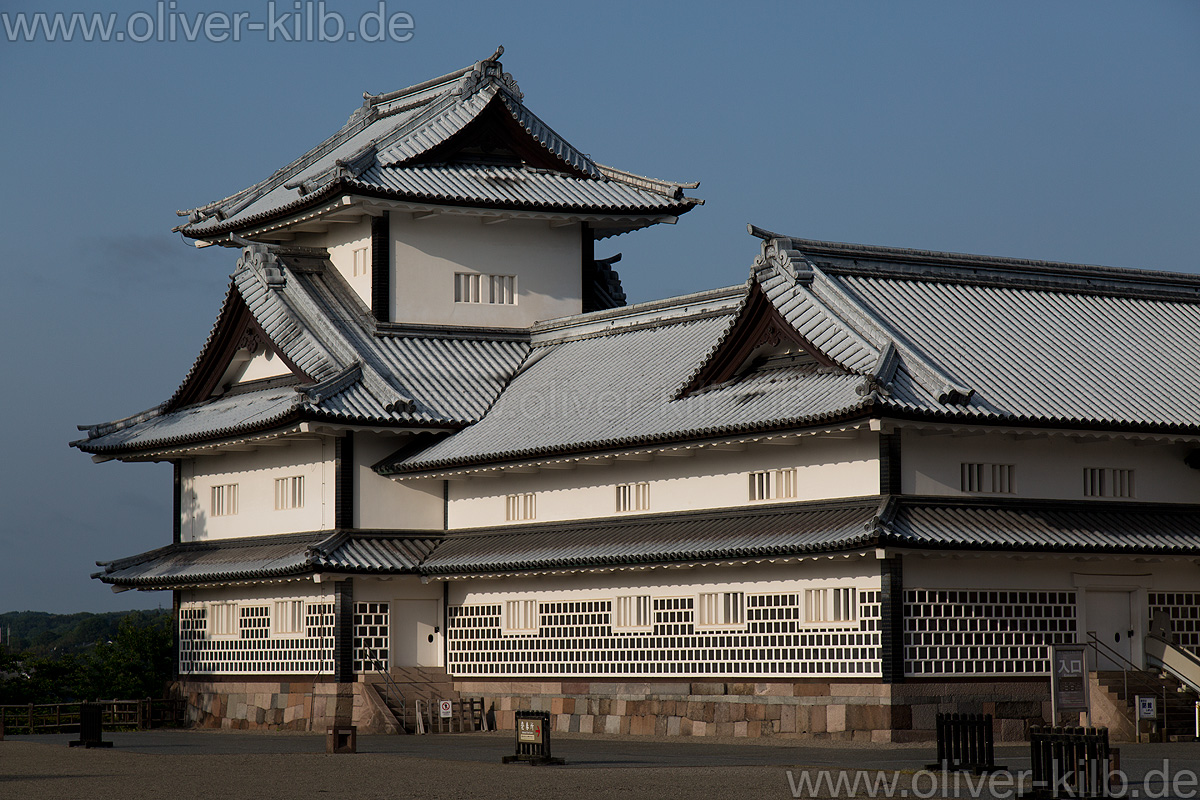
529, 731
1069, 677
1147, 706
445, 708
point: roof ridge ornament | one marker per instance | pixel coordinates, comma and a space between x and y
779, 253
261, 259
488, 72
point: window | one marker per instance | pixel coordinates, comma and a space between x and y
520, 616
632, 613
987, 478
1107, 482
773, 484
254, 622
225, 500
289, 492
223, 616
361, 264
721, 610
289, 617
633, 497
830, 605
472, 287
520, 507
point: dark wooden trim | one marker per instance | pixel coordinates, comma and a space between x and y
177, 502
758, 323
343, 631
254, 677
381, 267
891, 622
176, 601
889, 463
343, 487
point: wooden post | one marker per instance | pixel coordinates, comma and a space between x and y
31, 719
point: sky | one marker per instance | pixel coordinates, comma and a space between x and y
1058, 131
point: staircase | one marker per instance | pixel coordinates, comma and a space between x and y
1178, 709
413, 684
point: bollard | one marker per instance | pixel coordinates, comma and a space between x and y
91, 727
342, 739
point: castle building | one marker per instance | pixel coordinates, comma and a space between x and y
427, 436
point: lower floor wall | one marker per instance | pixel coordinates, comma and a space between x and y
300, 705
867, 711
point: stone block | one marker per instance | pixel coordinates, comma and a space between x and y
661, 724
685, 726
619, 707
924, 717
707, 688
741, 688
723, 728
586, 721
612, 724
867, 718
574, 724
818, 719
835, 717
881, 736
737, 712
810, 690
787, 719
739, 728
901, 718
562, 723
755, 712
754, 729
774, 689
699, 728
1019, 709
1012, 730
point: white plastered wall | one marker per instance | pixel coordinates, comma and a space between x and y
255, 473
341, 240
383, 503
416, 613
1049, 468
426, 253
825, 468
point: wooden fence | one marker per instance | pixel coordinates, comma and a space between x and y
116, 715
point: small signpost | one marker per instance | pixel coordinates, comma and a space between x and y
1147, 709
445, 709
1068, 678
533, 739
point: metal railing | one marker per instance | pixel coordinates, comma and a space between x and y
465, 715
391, 693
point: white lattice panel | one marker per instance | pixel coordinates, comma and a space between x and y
255, 650
1184, 610
984, 632
371, 637
576, 638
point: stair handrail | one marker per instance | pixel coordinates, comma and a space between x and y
389, 687
1190, 679
1096, 645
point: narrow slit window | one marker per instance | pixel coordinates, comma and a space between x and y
520, 507
774, 484
225, 500
633, 496
362, 264
289, 617
721, 610
223, 617
289, 492
521, 616
632, 613
987, 478
1108, 482
831, 605
474, 287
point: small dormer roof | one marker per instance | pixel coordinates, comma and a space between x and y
464, 139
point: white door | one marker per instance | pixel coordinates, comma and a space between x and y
1110, 616
417, 635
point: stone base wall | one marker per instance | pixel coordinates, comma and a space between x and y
868, 711
284, 705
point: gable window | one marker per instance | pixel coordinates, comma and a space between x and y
633, 496
830, 605
520, 507
1107, 482
632, 613
473, 287
773, 484
222, 617
361, 263
988, 478
225, 500
288, 619
721, 610
289, 492
521, 616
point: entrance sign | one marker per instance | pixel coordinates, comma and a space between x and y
1147, 706
1069, 677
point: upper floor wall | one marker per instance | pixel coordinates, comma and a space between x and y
1052, 467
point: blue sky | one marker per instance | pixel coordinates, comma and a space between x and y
1064, 131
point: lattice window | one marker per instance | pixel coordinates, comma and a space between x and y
202, 654
362, 264
521, 616
254, 622
835, 604
520, 507
225, 500
633, 496
773, 484
1107, 482
472, 287
984, 632
1184, 610
721, 610
289, 492
988, 478
631, 614
224, 617
289, 617
577, 638
371, 636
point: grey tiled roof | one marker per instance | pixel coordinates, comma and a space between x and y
658, 539
1032, 525
278, 556
362, 375
382, 148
